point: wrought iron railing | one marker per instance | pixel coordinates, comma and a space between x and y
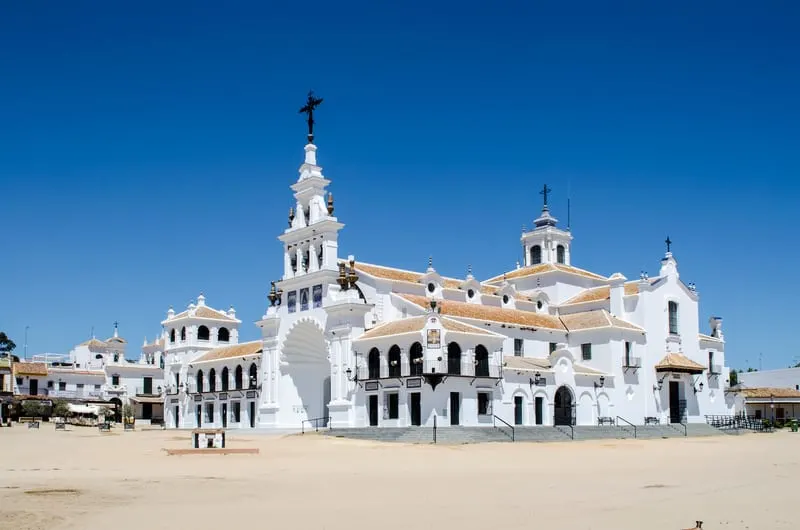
466, 368
566, 430
628, 361
628, 425
496, 418
326, 422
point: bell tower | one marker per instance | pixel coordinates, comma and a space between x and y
311, 239
546, 243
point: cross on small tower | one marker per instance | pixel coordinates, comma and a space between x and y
668, 242
116, 324
308, 109
544, 192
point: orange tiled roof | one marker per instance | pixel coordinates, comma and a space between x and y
416, 324
490, 313
535, 364
766, 393
390, 273
598, 318
237, 350
601, 293
94, 343
544, 268
677, 362
205, 312
27, 368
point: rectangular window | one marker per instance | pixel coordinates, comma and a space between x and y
484, 403
627, 353
292, 301
586, 352
552, 347
711, 362
316, 294
518, 347
62, 385
672, 307
758, 414
210, 412
237, 411
304, 299
80, 386
97, 387
50, 384
115, 380
391, 409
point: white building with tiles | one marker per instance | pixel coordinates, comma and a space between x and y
356, 344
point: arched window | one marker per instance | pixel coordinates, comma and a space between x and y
172, 336
225, 378
212, 380
183, 333
481, 361
253, 376
394, 361
415, 358
237, 378
560, 254
536, 254
202, 333
374, 364
199, 381
672, 308
454, 358
116, 357
223, 335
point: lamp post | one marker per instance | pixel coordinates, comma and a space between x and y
26, 342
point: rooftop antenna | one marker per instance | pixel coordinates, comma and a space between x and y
569, 193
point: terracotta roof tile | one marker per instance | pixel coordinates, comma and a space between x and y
766, 393
417, 324
245, 348
601, 293
27, 368
596, 319
94, 343
677, 362
490, 313
390, 273
205, 312
544, 268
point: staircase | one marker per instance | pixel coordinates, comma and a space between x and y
469, 435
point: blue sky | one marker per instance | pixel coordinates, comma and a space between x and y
147, 149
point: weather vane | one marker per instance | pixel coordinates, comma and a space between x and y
308, 109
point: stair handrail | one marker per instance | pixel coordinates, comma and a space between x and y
434, 428
571, 430
629, 423
316, 423
494, 424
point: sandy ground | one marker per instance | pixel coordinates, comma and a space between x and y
86, 480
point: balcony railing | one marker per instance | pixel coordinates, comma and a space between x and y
629, 361
115, 389
715, 369
466, 368
75, 394
151, 391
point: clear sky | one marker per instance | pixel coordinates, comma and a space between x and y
146, 150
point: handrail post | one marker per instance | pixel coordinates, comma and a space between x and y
434, 429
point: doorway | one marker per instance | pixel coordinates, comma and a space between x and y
676, 404
147, 383
199, 415
33, 386
415, 402
518, 404
373, 410
563, 407
147, 411
177, 417
252, 414
539, 410
455, 408
224, 415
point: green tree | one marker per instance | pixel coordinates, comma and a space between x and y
60, 408
33, 408
6, 345
734, 378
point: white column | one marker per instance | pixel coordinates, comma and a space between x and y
313, 265
299, 254
287, 263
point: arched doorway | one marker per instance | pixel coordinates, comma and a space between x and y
481, 361
564, 407
117, 403
374, 364
454, 359
305, 385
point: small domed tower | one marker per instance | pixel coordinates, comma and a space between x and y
546, 243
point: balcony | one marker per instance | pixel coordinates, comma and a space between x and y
631, 362
714, 369
148, 391
115, 389
464, 368
82, 393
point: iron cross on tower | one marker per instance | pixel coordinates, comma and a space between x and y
311, 104
668, 242
544, 192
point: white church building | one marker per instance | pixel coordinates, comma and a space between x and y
351, 344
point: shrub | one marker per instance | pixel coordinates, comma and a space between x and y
60, 408
33, 408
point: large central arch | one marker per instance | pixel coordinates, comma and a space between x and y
563, 406
305, 384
